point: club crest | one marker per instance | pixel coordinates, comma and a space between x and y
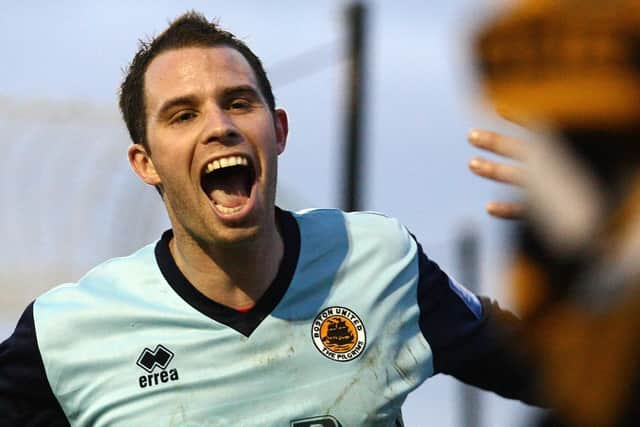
339, 334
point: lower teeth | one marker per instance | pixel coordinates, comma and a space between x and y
226, 210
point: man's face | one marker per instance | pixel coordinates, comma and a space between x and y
213, 144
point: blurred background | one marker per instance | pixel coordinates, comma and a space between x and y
70, 201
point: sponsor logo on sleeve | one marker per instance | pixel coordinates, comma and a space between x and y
468, 298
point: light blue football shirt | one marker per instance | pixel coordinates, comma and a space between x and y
337, 340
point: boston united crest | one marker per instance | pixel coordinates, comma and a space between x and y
339, 334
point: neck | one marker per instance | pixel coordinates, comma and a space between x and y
235, 276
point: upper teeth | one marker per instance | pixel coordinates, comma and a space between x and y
226, 162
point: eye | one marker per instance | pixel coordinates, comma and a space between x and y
240, 104
182, 117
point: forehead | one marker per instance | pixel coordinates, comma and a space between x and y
178, 72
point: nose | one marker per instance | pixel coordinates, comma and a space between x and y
220, 128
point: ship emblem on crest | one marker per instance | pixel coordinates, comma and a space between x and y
339, 334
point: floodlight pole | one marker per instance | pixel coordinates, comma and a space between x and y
352, 172
469, 264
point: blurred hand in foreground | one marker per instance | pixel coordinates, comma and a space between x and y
499, 171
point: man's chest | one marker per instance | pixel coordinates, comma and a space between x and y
344, 365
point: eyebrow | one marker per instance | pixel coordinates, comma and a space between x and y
187, 100
241, 89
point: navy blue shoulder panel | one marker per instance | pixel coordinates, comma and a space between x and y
26, 398
471, 338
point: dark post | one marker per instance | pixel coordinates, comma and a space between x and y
352, 175
468, 256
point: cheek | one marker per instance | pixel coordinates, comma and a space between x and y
270, 157
173, 160
269, 141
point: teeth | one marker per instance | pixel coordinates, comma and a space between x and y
226, 162
226, 210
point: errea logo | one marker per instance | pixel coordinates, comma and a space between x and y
158, 358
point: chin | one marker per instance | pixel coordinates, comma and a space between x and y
234, 237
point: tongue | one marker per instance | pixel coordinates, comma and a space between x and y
228, 189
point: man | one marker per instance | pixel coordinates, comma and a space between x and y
242, 313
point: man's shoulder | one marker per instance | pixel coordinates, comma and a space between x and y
318, 216
359, 228
77, 315
103, 279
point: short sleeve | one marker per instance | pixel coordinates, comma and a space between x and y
471, 338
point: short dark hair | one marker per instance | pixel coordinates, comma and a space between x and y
191, 29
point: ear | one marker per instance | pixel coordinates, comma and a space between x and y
142, 165
281, 123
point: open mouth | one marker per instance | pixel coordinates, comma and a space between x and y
228, 182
